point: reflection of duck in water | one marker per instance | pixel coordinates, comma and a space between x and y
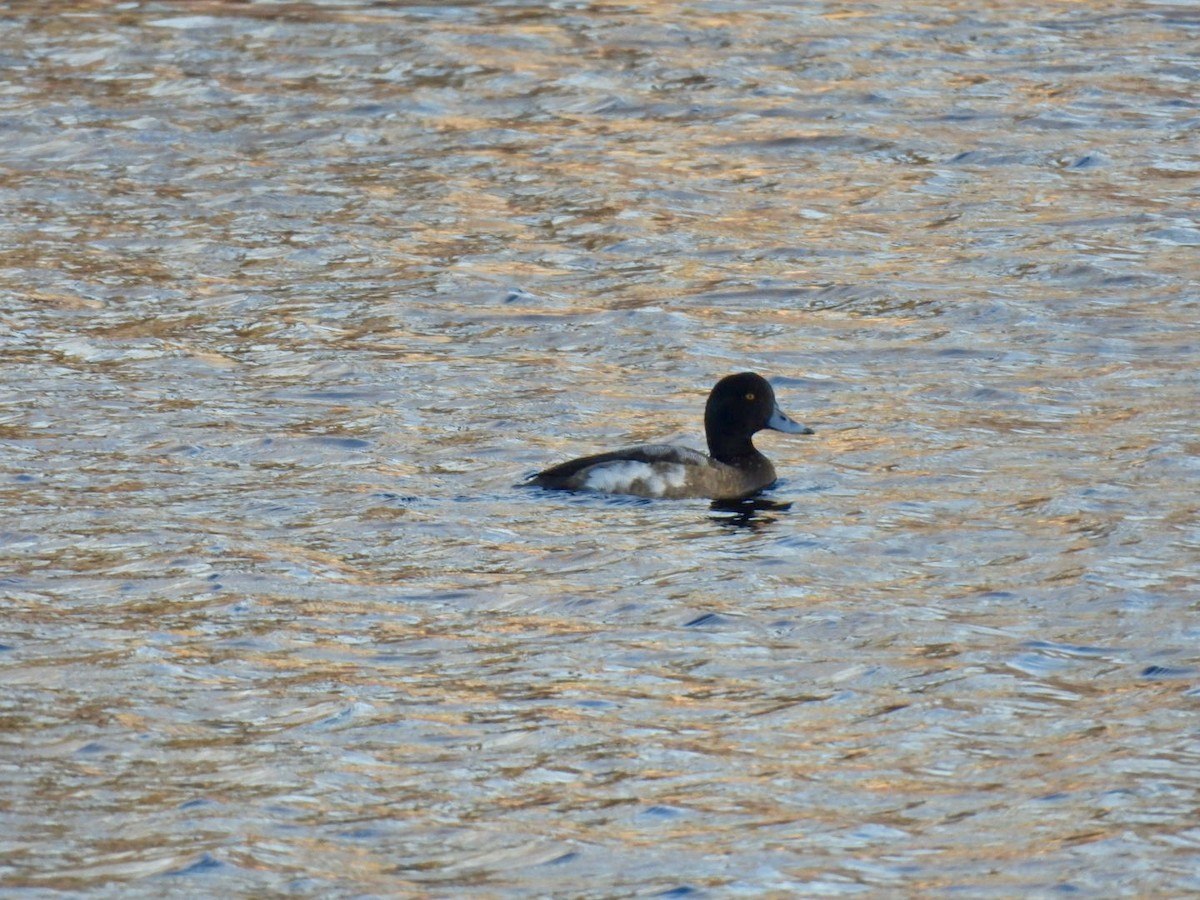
751, 513
738, 407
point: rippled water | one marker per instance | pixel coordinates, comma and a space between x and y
293, 296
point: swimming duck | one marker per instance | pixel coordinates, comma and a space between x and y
738, 407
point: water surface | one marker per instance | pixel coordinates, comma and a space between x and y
294, 295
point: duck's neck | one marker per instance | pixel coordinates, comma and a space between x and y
733, 450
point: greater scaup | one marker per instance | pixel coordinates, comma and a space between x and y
737, 408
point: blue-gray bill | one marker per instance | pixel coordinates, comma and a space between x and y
780, 421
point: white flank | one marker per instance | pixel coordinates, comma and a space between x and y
631, 477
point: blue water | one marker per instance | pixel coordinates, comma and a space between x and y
294, 296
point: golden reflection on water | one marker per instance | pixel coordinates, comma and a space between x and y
295, 294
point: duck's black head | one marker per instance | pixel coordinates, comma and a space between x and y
738, 407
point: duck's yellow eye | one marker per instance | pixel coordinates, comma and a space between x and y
750, 396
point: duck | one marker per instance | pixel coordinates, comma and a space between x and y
739, 406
